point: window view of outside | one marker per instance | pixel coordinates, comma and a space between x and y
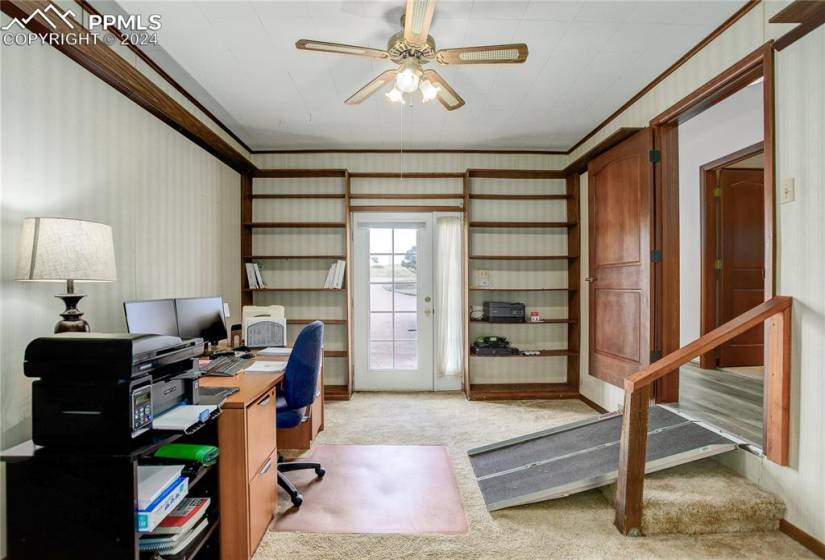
393, 299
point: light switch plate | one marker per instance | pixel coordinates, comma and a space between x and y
788, 190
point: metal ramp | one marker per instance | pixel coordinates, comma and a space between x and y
584, 455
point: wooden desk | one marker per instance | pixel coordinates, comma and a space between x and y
248, 462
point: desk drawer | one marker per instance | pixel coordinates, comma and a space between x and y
260, 434
263, 496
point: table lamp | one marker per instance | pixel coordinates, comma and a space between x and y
66, 250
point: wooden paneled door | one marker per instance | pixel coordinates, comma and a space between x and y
620, 218
742, 256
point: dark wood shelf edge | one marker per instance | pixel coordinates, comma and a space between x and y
298, 196
293, 257
304, 225
336, 393
522, 391
516, 225
308, 321
523, 290
543, 354
480, 196
523, 257
542, 322
295, 290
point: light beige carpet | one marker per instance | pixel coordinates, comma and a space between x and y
580, 526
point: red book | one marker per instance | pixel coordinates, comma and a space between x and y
183, 517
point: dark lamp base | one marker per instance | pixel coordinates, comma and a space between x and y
72, 318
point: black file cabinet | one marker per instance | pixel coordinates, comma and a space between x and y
66, 504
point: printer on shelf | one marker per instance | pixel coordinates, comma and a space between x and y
503, 312
97, 389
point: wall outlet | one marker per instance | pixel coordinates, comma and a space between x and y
788, 190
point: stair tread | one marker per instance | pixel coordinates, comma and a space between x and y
704, 497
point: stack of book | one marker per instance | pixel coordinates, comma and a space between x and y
335, 276
253, 276
179, 528
160, 489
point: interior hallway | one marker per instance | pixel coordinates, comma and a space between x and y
729, 399
577, 527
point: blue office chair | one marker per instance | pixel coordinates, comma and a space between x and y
300, 387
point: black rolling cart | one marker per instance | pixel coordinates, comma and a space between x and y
66, 504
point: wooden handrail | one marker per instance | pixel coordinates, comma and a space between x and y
633, 444
709, 341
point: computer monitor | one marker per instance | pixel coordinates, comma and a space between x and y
201, 317
155, 316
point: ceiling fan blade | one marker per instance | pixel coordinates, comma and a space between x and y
339, 48
372, 87
490, 54
417, 20
447, 96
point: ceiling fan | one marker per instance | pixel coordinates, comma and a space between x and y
411, 49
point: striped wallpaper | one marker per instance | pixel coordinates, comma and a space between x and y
73, 146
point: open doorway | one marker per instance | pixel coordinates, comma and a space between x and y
722, 260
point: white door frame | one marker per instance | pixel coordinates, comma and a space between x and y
423, 378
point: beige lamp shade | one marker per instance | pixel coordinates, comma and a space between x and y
60, 249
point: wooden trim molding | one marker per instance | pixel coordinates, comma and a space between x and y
757, 63
580, 164
298, 173
809, 14
751, 4
707, 202
808, 541
154, 66
110, 67
414, 151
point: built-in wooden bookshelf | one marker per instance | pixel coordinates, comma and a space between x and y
304, 268
560, 219
559, 215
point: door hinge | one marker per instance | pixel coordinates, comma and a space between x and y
718, 264
655, 156
655, 356
656, 256
717, 192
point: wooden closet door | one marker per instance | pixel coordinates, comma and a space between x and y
620, 187
742, 244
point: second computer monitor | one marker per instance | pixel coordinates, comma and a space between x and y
201, 318
156, 316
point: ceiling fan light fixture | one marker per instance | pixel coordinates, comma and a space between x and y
408, 77
429, 91
395, 95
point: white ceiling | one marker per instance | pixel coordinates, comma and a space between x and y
586, 59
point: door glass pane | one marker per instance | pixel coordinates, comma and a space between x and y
380, 297
380, 240
393, 304
380, 270
405, 355
405, 267
404, 240
381, 326
405, 296
406, 326
381, 355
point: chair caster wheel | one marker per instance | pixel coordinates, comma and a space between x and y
320, 472
297, 500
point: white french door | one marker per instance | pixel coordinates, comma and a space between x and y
393, 302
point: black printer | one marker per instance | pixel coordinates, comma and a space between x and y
97, 389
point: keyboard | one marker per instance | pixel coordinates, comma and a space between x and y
226, 366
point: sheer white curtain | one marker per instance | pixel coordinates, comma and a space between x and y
449, 327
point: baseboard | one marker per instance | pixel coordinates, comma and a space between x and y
592, 404
803, 538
